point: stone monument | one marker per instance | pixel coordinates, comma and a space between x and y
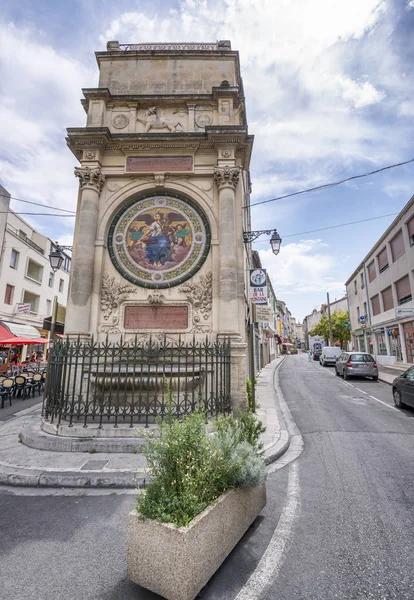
163, 189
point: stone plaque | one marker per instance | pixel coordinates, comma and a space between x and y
156, 317
151, 164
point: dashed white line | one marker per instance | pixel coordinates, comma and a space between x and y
272, 559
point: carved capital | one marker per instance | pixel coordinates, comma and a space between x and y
90, 177
226, 176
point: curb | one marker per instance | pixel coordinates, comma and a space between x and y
276, 450
70, 479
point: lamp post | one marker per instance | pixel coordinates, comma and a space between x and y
275, 243
56, 258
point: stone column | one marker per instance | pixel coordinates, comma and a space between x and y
79, 301
227, 179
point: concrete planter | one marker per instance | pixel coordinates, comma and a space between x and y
177, 563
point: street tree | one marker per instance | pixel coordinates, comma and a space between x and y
340, 327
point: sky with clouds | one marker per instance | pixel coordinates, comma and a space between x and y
329, 94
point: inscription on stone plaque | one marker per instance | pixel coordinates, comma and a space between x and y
156, 317
149, 164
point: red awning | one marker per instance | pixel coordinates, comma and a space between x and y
19, 341
4, 333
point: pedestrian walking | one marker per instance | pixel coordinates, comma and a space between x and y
309, 356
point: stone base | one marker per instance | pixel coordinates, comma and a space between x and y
176, 563
49, 436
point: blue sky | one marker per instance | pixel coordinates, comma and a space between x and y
329, 94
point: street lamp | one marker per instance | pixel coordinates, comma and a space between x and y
275, 240
56, 256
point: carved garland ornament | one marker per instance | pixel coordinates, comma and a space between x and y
112, 294
226, 176
90, 177
200, 296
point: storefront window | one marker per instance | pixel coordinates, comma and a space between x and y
395, 345
381, 345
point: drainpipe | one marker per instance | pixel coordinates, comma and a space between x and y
368, 308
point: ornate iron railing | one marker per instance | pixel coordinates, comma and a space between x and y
136, 381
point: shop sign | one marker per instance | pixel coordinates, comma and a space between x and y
379, 330
262, 314
23, 309
400, 312
258, 287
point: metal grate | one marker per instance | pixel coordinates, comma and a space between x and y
136, 381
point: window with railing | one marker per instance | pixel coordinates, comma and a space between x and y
403, 289
382, 258
375, 303
34, 271
372, 273
387, 299
397, 246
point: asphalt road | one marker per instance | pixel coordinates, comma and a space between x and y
338, 524
353, 536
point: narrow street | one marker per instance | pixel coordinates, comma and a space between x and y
338, 524
354, 534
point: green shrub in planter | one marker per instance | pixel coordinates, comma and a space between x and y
191, 468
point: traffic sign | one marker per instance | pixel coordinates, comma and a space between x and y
347, 324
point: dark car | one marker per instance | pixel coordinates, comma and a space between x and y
316, 354
403, 389
351, 364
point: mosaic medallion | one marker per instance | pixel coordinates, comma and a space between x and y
159, 241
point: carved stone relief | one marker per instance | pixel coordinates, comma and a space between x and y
112, 294
227, 176
154, 118
90, 177
200, 296
120, 121
156, 298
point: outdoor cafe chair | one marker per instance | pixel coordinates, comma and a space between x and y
34, 385
2, 378
6, 391
20, 386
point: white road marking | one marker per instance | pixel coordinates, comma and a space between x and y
370, 396
273, 556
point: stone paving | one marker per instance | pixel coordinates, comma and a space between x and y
25, 466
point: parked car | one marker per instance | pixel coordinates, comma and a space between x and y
403, 389
356, 363
316, 354
329, 355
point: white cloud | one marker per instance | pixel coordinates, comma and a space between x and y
40, 97
301, 268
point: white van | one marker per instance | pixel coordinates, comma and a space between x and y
329, 355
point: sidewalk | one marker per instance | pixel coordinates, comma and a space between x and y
24, 466
388, 373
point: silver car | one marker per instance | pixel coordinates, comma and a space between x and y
356, 363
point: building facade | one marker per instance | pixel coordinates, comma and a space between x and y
28, 286
164, 182
380, 294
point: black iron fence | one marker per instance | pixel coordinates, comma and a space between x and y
136, 381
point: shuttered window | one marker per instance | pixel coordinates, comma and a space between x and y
410, 227
372, 273
387, 299
403, 290
375, 302
8, 296
382, 260
397, 246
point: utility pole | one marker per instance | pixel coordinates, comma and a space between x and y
54, 318
329, 320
